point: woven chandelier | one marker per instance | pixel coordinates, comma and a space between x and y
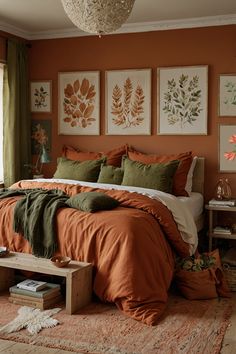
98, 16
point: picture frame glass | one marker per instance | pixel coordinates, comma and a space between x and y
40, 96
183, 100
227, 148
227, 95
79, 103
128, 102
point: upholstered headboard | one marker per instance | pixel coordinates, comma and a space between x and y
198, 176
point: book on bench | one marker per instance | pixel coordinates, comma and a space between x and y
31, 285
48, 291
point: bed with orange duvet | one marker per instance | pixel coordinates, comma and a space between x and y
131, 247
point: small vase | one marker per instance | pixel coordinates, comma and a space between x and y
219, 189
227, 190
223, 189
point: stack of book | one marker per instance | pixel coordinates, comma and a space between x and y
222, 230
35, 293
218, 202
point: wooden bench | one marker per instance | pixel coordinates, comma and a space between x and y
78, 276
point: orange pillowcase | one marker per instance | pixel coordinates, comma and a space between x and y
114, 157
180, 176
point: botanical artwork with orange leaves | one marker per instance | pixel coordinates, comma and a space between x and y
128, 100
79, 103
227, 148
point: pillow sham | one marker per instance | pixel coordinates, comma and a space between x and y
110, 174
180, 176
72, 154
92, 201
82, 171
113, 157
157, 176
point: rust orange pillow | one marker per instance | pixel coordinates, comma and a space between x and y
73, 154
180, 176
113, 157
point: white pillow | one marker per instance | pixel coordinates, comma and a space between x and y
189, 182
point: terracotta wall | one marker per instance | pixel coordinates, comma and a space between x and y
212, 46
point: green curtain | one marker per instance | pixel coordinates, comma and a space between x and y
16, 116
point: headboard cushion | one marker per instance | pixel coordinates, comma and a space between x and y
198, 176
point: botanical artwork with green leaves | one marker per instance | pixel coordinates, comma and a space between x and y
228, 95
183, 100
128, 100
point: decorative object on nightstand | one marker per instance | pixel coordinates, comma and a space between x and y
223, 189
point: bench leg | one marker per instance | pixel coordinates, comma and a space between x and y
78, 289
6, 278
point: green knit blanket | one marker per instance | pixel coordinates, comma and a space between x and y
34, 217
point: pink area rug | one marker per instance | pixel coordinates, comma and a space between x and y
186, 327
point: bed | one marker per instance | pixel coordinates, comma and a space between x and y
131, 247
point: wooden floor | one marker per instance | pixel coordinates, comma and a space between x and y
9, 347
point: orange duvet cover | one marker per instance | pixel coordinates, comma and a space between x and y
131, 247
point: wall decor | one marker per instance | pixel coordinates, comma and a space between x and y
40, 96
227, 95
41, 134
79, 109
182, 103
227, 148
128, 102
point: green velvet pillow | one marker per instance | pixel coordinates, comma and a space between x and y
157, 176
82, 171
110, 174
92, 201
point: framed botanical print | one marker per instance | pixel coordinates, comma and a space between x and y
79, 110
227, 95
128, 102
183, 100
227, 147
40, 96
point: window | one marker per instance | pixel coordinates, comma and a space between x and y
1, 122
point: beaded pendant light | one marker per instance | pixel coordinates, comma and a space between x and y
98, 16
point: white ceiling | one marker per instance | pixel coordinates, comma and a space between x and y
34, 19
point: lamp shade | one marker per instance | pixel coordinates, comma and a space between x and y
98, 16
44, 158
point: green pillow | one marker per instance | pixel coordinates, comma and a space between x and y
82, 171
110, 174
92, 201
157, 176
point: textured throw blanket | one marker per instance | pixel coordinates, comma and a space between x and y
34, 217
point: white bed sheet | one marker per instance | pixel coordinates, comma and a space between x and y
179, 209
195, 204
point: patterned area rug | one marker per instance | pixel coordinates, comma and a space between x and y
186, 327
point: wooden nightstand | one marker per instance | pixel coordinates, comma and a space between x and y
212, 222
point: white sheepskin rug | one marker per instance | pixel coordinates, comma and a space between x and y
32, 319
